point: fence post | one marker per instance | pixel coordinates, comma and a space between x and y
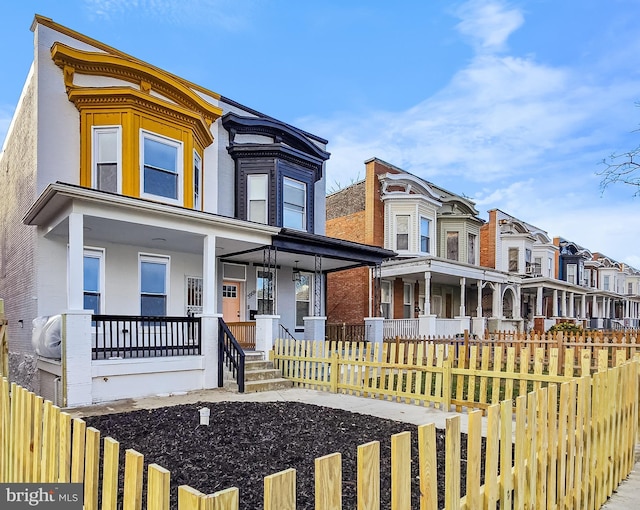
335, 371
446, 384
76, 358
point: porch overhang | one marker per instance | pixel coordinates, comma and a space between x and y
295, 248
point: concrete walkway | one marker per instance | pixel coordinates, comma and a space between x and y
627, 496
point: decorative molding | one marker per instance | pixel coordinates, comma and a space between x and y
116, 66
125, 97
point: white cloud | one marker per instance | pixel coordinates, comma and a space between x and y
227, 14
513, 132
488, 24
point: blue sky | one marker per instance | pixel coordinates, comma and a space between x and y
514, 104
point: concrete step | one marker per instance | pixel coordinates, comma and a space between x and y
261, 375
267, 385
250, 366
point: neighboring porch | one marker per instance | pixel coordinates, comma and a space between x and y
430, 296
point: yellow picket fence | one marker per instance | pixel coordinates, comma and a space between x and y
609, 345
425, 375
568, 447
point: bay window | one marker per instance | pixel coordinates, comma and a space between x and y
107, 159
425, 225
161, 162
197, 181
257, 189
402, 232
452, 245
471, 249
294, 201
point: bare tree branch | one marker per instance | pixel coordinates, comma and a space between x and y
621, 168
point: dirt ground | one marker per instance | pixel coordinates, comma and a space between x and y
247, 441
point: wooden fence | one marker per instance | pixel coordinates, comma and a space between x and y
573, 446
427, 373
600, 345
345, 332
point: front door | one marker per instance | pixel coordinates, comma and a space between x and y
231, 301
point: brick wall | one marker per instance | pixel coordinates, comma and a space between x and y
488, 241
347, 201
17, 241
348, 296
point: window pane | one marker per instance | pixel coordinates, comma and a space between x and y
160, 155
257, 185
452, 245
471, 254
107, 145
153, 305
513, 259
107, 177
293, 219
294, 193
258, 211
152, 277
302, 288
157, 182
302, 311
91, 274
92, 302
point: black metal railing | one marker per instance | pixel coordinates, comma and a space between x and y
130, 336
285, 333
230, 355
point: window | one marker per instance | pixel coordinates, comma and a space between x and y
106, 174
153, 285
587, 277
514, 254
230, 291
161, 161
537, 266
93, 279
194, 295
402, 232
197, 180
571, 273
303, 298
385, 299
407, 305
265, 290
630, 288
294, 201
549, 266
471, 249
452, 245
527, 261
605, 283
425, 225
257, 197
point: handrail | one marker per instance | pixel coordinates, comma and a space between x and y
230, 353
285, 332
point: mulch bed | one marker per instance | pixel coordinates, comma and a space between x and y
247, 441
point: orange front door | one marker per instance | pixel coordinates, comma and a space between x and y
231, 301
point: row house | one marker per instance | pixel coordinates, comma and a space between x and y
613, 300
456, 272
436, 285
143, 209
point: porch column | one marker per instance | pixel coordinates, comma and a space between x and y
374, 332
594, 307
583, 306
571, 304
76, 354
539, 302
626, 308
497, 301
314, 328
563, 308
427, 293
479, 307
209, 283
555, 303
75, 296
463, 297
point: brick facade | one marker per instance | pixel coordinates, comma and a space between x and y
356, 213
488, 241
